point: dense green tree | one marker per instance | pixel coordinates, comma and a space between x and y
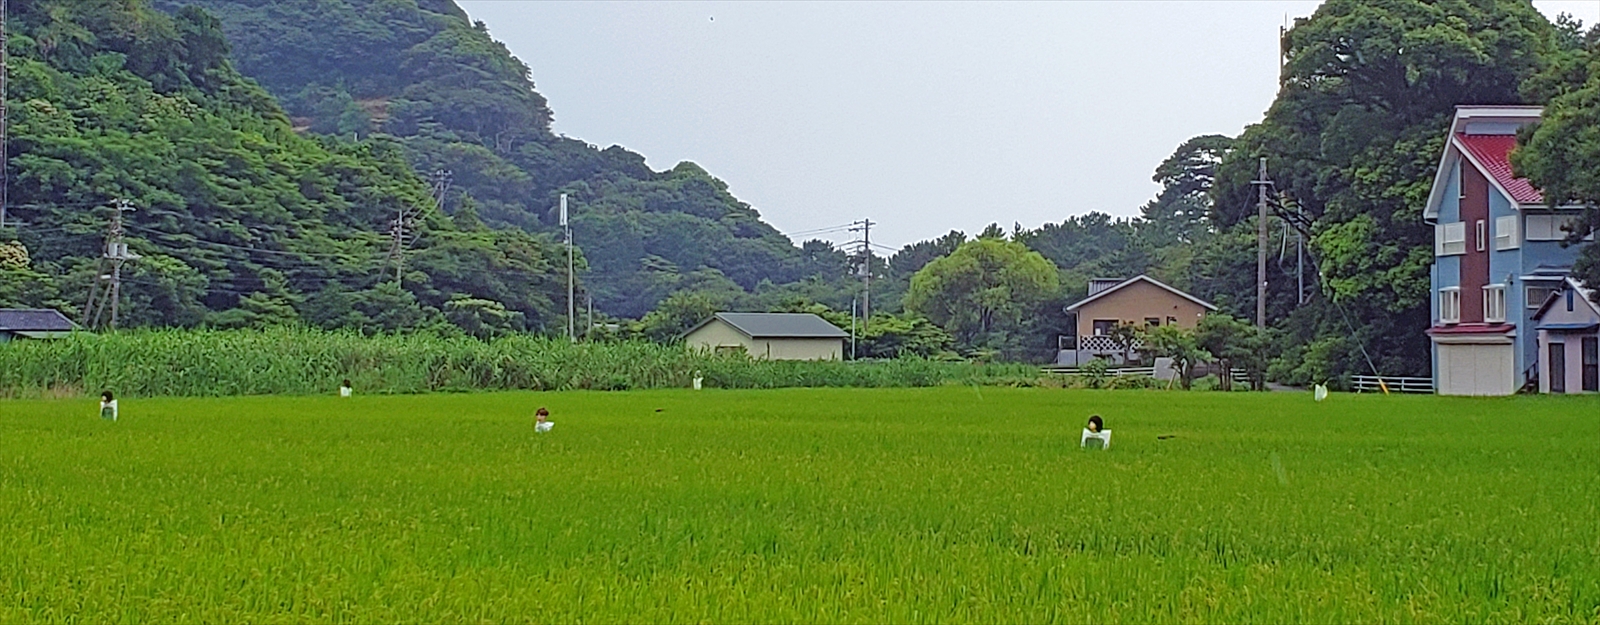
1562, 153
1353, 138
1180, 213
981, 292
897, 336
1179, 344
1234, 343
677, 314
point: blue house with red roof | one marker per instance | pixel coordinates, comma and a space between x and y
1497, 257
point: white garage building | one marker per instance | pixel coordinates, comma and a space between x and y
770, 336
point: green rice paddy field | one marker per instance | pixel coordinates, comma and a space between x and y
948, 504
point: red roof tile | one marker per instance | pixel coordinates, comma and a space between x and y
1493, 152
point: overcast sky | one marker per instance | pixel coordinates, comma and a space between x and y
924, 117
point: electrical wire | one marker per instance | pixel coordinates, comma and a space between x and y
816, 231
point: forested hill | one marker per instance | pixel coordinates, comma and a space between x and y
457, 100
239, 221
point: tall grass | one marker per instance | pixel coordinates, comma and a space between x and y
308, 362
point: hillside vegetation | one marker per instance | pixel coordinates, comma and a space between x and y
457, 100
240, 221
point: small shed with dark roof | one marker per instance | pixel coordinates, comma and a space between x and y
771, 336
33, 323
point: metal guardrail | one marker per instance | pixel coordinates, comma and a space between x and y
1395, 384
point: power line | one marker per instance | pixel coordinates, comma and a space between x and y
817, 231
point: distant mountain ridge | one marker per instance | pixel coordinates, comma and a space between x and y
458, 100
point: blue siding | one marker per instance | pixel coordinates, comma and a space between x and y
1535, 253
1447, 270
1450, 206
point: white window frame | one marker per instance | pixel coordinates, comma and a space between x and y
1450, 305
1534, 302
1505, 233
1547, 226
1494, 303
1450, 239
1482, 239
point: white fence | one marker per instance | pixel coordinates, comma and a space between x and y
1148, 372
1239, 375
1395, 384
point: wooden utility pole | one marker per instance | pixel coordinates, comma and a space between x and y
1261, 245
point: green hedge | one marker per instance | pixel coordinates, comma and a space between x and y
308, 362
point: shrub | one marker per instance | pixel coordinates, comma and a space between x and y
291, 361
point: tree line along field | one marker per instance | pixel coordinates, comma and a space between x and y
945, 504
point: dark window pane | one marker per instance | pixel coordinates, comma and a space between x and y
1558, 368
1591, 364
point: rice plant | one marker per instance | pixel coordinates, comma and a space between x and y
945, 504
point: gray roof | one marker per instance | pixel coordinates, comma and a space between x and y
34, 320
778, 325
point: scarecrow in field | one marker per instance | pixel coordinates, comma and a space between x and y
1095, 431
108, 406
541, 420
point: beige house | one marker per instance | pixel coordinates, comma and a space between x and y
770, 336
1141, 301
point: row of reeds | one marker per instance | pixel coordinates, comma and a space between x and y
288, 361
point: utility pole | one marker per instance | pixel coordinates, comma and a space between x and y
116, 253
1261, 245
398, 241
1299, 267
572, 311
397, 249
441, 184
865, 227
852, 328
